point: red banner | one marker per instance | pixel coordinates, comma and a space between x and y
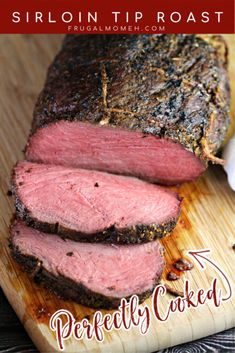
71, 16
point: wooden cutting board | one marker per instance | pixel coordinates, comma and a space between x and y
207, 221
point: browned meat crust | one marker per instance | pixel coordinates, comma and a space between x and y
66, 288
172, 86
132, 235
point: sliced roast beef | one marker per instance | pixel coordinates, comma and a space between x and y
92, 206
97, 275
151, 106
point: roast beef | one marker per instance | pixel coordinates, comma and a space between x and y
97, 275
92, 206
151, 106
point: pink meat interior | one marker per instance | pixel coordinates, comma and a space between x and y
117, 271
90, 201
114, 150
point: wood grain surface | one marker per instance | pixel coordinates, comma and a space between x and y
14, 339
207, 221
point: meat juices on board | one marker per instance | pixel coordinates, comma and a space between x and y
151, 106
